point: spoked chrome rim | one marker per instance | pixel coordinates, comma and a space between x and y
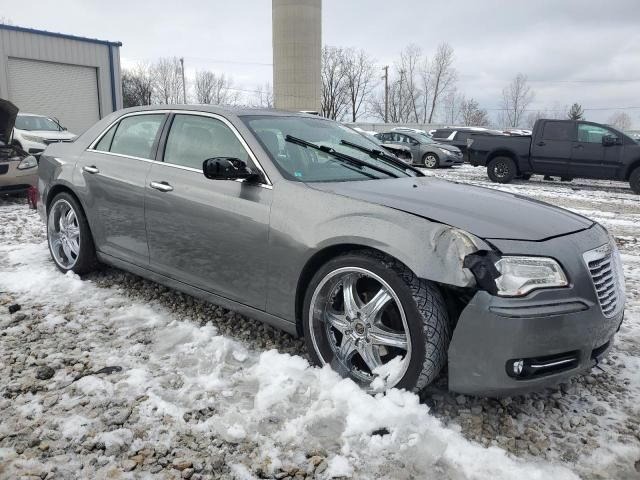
358, 325
63, 232
430, 161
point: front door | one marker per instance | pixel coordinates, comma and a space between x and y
551, 149
210, 234
590, 158
114, 171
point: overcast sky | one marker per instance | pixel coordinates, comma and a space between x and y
585, 51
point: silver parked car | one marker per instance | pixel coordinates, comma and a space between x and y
307, 225
425, 151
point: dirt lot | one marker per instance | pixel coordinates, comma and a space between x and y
200, 392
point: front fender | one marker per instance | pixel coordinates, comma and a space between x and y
305, 222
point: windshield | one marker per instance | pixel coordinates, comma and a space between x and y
36, 122
306, 164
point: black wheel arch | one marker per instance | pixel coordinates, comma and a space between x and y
635, 164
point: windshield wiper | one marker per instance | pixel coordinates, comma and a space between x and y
381, 155
340, 156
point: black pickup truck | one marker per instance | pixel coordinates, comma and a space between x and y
564, 148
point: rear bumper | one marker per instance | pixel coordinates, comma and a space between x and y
556, 341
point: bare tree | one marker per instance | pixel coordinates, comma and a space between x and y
452, 104
472, 114
443, 75
335, 92
620, 120
410, 60
212, 88
263, 97
137, 86
359, 74
167, 80
516, 97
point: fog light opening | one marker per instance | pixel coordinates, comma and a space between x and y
517, 367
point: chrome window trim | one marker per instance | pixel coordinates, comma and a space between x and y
92, 145
215, 116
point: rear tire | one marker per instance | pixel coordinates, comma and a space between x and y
501, 170
414, 312
69, 237
430, 160
634, 180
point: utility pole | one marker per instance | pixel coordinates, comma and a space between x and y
386, 93
184, 86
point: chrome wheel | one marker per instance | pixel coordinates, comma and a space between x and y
430, 161
63, 233
358, 325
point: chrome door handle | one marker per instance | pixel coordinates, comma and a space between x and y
91, 169
161, 186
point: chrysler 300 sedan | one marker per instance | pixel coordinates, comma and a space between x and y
307, 225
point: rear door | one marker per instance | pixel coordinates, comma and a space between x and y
551, 148
114, 169
590, 158
210, 234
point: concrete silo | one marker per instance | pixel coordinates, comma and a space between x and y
297, 44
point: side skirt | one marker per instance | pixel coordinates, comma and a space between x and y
274, 321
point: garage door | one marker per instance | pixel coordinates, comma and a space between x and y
67, 92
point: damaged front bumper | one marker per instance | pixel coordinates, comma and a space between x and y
504, 346
510, 345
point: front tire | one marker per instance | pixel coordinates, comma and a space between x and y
366, 313
501, 170
634, 180
430, 160
69, 237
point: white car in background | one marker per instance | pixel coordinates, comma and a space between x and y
33, 133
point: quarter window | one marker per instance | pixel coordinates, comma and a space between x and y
557, 131
135, 136
193, 139
592, 134
104, 145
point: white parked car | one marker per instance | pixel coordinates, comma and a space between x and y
33, 133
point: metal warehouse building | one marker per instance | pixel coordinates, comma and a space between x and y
75, 79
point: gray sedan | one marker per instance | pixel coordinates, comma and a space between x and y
425, 151
307, 225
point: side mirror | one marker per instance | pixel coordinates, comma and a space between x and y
608, 140
227, 168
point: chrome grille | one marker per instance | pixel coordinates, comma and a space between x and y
605, 267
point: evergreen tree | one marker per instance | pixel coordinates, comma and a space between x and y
576, 112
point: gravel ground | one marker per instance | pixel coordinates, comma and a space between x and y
63, 417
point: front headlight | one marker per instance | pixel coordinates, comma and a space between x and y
28, 162
520, 275
33, 138
445, 151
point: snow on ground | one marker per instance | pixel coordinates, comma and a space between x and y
201, 392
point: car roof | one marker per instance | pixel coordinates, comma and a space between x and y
223, 110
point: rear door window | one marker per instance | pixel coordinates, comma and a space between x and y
135, 136
194, 138
562, 131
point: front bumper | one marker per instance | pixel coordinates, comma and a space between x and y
493, 332
452, 159
559, 331
15, 180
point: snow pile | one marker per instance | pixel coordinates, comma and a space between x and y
274, 401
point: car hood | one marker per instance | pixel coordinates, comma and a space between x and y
8, 113
50, 134
486, 213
